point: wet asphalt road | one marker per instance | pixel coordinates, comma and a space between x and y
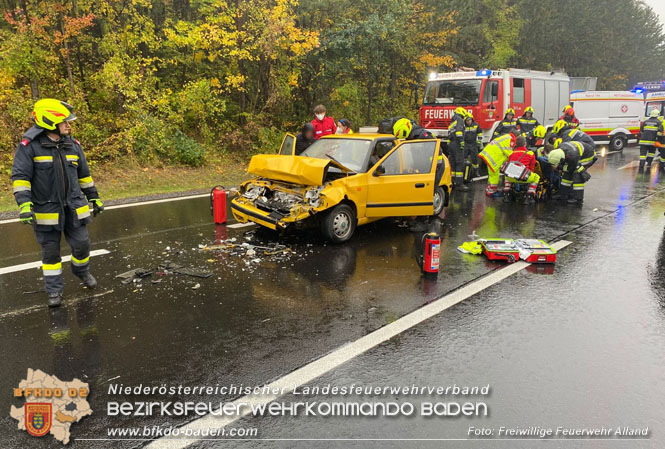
582, 346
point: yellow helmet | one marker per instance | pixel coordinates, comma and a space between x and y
48, 112
558, 126
402, 128
557, 142
510, 111
529, 109
461, 111
555, 157
565, 108
540, 131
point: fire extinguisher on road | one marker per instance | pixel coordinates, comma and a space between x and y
218, 204
431, 248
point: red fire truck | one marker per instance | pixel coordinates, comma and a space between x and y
488, 93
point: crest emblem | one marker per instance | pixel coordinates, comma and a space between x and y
38, 418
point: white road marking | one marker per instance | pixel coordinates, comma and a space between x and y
629, 165
343, 354
140, 203
241, 225
29, 265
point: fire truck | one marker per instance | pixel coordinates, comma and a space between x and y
489, 93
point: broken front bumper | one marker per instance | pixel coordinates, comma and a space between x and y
244, 212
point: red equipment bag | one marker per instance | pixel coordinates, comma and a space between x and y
536, 251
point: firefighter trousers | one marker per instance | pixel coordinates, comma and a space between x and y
456, 158
471, 154
572, 185
647, 153
77, 238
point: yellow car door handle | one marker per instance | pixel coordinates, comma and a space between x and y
420, 185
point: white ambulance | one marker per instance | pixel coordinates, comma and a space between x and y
610, 117
655, 100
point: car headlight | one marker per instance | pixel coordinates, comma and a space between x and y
312, 196
253, 192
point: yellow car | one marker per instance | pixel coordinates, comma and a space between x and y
343, 181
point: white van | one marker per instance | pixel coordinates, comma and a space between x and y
609, 117
654, 100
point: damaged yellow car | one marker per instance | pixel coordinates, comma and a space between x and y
344, 181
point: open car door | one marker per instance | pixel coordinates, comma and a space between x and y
288, 147
402, 182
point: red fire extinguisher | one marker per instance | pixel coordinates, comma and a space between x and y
431, 248
218, 204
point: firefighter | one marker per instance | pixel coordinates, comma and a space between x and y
471, 130
573, 159
527, 158
648, 137
569, 116
494, 155
456, 150
50, 178
406, 129
576, 135
527, 123
507, 125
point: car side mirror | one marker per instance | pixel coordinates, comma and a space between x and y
380, 170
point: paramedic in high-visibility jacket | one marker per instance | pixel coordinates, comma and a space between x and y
52, 186
574, 159
494, 155
649, 132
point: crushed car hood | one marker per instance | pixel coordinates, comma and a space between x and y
301, 170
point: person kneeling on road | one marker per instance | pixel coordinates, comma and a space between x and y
494, 155
50, 177
573, 159
521, 155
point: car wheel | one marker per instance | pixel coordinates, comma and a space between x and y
618, 142
339, 224
439, 200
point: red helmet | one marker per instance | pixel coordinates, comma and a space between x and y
570, 112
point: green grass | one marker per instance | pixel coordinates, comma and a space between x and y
118, 181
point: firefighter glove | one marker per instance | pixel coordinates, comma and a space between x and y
26, 215
97, 207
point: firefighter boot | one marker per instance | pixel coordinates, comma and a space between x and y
89, 281
462, 187
641, 169
54, 299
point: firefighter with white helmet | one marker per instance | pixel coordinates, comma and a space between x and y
573, 159
649, 131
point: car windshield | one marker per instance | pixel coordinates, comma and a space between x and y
351, 153
457, 92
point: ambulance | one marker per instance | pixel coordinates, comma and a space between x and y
611, 118
489, 93
654, 100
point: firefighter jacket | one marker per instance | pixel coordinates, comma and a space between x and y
573, 122
497, 152
418, 132
456, 130
471, 133
527, 125
575, 135
505, 127
649, 131
577, 154
55, 177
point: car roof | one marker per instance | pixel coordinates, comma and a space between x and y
364, 136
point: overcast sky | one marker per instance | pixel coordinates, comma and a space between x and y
659, 7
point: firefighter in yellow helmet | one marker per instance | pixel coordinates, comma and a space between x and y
649, 132
526, 124
507, 125
406, 129
52, 186
573, 159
